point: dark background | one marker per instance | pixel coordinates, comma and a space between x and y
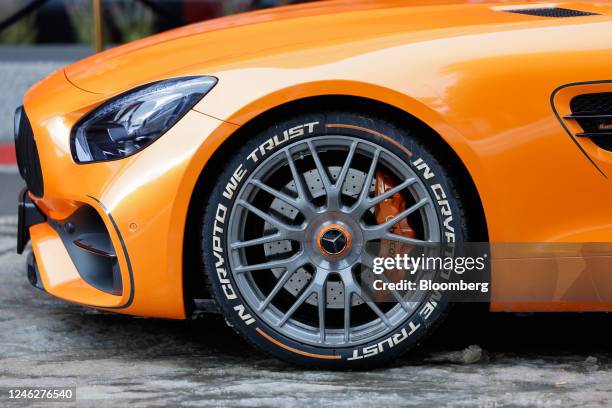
70, 21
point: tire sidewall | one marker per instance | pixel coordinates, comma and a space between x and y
216, 223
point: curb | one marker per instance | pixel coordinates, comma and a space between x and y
7, 154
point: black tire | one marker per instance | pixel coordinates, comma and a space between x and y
222, 282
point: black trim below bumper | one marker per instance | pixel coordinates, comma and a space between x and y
29, 215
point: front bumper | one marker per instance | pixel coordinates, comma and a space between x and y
140, 202
77, 274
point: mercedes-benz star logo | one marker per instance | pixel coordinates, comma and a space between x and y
333, 241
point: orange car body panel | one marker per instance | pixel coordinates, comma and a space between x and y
483, 78
147, 196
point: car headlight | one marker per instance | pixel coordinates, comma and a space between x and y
133, 120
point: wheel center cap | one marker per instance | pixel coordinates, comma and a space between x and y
334, 241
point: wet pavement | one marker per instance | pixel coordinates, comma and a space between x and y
114, 360
10, 186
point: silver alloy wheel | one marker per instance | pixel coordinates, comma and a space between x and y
311, 188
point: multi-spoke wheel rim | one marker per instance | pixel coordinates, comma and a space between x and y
295, 203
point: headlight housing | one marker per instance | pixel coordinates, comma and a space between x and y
133, 120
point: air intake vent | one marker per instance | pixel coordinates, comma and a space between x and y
90, 247
593, 112
554, 12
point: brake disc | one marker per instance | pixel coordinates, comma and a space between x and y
312, 180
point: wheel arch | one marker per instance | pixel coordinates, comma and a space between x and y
193, 275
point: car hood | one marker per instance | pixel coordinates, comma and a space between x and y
206, 47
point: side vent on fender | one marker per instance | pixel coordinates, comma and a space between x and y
593, 112
554, 12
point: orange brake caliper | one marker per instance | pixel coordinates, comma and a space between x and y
384, 211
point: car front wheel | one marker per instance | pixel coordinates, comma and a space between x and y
293, 225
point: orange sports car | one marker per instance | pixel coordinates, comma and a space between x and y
258, 164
